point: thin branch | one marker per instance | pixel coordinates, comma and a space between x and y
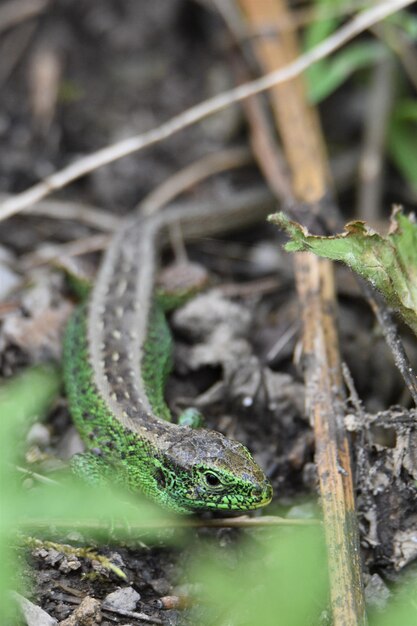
55, 252
193, 174
390, 332
318, 13
78, 211
36, 477
134, 614
371, 166
16, 11
13, 48
401, 46
189, 117
243, 521
262, 136
305, 151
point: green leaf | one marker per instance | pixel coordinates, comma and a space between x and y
333, 72
325, 76
322, 26
316, 32
388, 262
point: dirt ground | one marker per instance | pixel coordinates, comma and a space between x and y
80, 75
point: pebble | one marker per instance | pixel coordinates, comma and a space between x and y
377, 593
125, 598
32, 614
38, 435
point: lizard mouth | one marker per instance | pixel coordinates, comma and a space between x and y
261, 503
262, 495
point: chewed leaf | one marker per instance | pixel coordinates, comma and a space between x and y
388, 262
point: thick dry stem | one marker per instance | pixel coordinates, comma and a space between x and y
326, 407
305, 152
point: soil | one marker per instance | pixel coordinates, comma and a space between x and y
119, 68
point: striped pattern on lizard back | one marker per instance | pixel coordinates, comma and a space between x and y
181, 468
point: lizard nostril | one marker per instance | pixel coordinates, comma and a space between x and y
256, 492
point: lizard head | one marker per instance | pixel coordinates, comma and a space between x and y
203, 470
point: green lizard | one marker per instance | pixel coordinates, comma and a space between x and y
116, 359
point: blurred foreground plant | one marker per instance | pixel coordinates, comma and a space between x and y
278, 579
274, 576
66, 504
396, 36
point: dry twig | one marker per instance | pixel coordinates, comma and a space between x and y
16, 11
263, 141
375, 129
401, 46
78, 211
392, 338
243, 521
193, 174
12, 49
56, 252
304, 149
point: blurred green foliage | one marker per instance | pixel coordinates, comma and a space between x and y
327, 75
402, 611
21, 399
279, 578
66, 504
25, 397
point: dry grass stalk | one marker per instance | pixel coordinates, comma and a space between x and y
304, 148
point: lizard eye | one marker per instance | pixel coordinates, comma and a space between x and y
212, 480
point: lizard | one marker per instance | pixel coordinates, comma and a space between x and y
116, 358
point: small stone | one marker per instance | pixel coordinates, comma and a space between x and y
32, 614
69, 564
116, 559
265, 257
87, 614
53, 557
376, 593
203, 314
38, 435
161, 586
70, 444
310, 476
125, 599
